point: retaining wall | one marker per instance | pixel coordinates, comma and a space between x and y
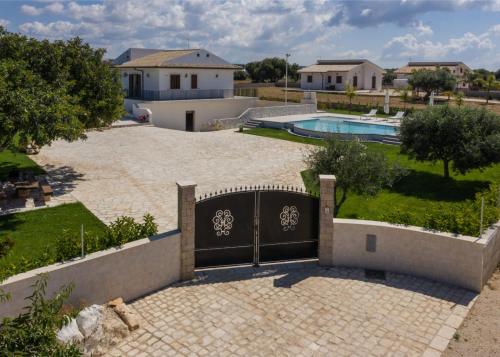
464, 261
136, 269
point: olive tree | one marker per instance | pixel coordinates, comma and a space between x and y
440, 79
356, 168
54, 90
465, 137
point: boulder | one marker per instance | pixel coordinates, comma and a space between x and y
114, 328
89, 320
130, 318
115, 302
70, 333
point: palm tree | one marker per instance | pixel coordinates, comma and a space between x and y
459, 98
350, 93
404, 94
490, 83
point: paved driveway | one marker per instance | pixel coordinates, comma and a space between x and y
133, 170
296, 310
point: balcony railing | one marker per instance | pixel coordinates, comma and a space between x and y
181, 94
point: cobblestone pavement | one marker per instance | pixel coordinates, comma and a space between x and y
296, 309
133, 170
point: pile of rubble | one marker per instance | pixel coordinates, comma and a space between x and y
98, 327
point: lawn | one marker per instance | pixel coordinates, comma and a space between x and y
35, 230
11, 160
423, 189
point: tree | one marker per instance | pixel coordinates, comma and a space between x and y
240, 75
271, 70
54, 90
404, 94
439, 80
389, 76
468, 138
489, 84
356, 168
350, 93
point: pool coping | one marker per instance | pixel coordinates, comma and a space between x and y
287, 123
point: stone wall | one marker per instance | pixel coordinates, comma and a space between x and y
464, 261
136, 269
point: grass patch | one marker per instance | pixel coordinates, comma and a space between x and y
32, 231
422, 190
12, 160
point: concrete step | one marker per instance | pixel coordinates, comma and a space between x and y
391, 141
252, 123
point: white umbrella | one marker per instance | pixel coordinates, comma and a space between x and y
431, 99
386, 102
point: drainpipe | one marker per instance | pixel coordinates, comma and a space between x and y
142, 81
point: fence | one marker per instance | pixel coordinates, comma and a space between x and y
181, 94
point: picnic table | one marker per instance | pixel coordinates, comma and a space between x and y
24, 188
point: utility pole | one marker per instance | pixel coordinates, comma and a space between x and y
286, 77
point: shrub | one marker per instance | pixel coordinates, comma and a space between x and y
399, 217
6, 245
68, 245
33, 333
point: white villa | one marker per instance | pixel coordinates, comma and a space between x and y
458, 69
179, 89
335, 74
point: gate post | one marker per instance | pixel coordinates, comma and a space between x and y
326, 208
186, 203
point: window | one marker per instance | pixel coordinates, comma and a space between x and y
309, 79
461, 70
374, 82
175, 81
338, 80
355, 81
194, 81
134, 86
329, 79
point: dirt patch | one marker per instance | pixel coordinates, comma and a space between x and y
479, 334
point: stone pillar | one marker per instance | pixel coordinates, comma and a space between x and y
186, 210
326, 208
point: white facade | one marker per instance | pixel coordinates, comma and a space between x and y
158, 79
181, 89
365, 76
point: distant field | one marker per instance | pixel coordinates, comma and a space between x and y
368, 100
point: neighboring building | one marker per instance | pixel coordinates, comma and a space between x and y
335, 74
183, 89
459, 69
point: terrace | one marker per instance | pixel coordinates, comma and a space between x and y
179, 94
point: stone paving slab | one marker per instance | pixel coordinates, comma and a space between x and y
296, 310
133, 170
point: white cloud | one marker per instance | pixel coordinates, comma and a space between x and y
468, 48
354, 54
422, 29
366, 12
4, 22
31, 10
495, 30
53, 7
54, 30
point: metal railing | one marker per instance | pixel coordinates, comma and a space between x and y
181, 94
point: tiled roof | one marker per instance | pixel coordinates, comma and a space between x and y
162, 60
344, 65
414, 66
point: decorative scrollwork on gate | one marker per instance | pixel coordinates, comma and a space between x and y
223, 222
289, 217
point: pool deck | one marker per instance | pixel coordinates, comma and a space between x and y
324, 115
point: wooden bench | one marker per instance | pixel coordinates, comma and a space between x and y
46, 192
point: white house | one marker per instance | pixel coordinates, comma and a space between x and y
458, 69
335, 74
183, 89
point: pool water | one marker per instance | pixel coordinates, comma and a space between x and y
343, 126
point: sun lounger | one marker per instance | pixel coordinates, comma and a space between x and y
371, 114
399, 115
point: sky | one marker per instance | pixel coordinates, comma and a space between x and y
387, 32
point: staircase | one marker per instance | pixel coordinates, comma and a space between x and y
252, 123
393, 140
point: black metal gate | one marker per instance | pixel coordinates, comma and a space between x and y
256, 225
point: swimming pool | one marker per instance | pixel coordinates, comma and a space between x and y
343, 126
